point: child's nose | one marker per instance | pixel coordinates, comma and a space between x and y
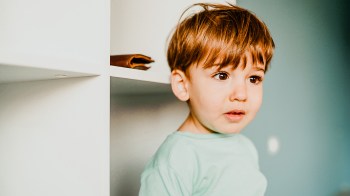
239, 92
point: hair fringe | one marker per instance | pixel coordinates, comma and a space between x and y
219, 32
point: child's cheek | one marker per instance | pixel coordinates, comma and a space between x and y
256, 99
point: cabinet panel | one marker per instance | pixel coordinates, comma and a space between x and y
54, 137
71, 35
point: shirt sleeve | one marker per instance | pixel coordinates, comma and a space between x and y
163, 181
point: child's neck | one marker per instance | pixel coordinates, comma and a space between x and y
192, 125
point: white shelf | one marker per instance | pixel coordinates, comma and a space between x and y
11, 73
23, 67
132, 81
144, 75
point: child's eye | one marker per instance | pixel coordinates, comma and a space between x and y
255, 79
221, 76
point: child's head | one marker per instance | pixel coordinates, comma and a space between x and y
224, 32
218, 59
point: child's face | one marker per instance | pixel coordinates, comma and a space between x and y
224, 100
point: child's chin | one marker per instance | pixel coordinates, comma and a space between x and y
230, 131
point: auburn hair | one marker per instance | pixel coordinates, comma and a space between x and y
219, 32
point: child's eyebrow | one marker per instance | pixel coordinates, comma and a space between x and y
259, 69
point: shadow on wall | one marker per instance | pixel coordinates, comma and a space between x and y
139, 124
130, 180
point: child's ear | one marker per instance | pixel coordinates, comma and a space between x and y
179, 85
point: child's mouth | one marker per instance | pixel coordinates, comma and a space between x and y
235, 115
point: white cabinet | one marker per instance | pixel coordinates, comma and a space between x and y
58, 129
54, 134
54, 137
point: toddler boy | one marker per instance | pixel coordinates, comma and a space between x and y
218, 58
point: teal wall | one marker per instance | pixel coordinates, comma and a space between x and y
306, 101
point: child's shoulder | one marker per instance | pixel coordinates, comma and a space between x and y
173, 150
172, 166
174, 155
250, 146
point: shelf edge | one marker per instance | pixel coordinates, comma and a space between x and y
148, 75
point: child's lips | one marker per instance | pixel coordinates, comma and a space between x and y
235, 115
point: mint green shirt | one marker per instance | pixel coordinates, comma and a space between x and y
189, 164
